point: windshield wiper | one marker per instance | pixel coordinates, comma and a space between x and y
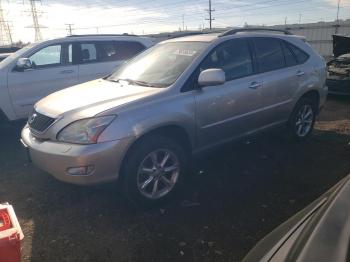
135, 82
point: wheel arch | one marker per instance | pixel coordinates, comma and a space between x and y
312, 94
173, 131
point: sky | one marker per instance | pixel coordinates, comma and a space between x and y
145, 16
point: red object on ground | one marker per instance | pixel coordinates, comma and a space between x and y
10, 235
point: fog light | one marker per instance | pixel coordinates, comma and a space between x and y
81, 170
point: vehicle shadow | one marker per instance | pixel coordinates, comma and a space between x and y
232, 198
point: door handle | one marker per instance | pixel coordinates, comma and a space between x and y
67, 72
300, 73
254, 85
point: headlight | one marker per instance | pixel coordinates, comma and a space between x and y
85, 131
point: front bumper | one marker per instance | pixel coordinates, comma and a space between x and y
338, 86
56, 158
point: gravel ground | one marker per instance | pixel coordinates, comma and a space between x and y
235, 196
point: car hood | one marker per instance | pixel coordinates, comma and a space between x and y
341, 45
320, 232
92, 97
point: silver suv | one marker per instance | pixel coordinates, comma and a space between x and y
141, 124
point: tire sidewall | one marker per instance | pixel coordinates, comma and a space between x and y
134, 160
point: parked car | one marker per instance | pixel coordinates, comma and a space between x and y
183, 96
320, 232
338, 80
4, 55
40, 69
7, 51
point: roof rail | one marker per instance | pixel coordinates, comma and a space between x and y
125, 34
234, 31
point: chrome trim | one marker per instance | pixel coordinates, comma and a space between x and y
34, 132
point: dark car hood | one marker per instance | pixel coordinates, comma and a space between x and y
319, 232
341, 45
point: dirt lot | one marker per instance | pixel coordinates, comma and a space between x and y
235, 197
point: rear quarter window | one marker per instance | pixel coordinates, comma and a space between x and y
300, 55
291, 60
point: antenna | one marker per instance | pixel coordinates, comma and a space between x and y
5, 32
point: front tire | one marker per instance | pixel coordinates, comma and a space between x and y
302, 120
153, 170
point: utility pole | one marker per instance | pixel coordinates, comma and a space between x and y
34, 12
5, 32
210, 11
70, 29
300, 15
337, 25
183, 22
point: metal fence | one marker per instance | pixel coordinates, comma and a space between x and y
318, 35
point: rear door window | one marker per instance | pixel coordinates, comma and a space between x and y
106, 51
88, 53
128, 49
269, 54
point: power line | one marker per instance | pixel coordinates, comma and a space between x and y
159, 20
165, 20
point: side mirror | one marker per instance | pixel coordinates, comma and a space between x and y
211, 77
24, 63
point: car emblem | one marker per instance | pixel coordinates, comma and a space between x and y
32, 118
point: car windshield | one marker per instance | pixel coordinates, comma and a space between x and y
161, 65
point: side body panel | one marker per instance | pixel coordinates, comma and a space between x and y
5, 100
227, 111
28, 87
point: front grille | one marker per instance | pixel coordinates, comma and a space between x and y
39, 122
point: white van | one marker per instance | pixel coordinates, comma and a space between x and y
40, 69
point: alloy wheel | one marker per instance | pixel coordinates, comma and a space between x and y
158, 174
304, 120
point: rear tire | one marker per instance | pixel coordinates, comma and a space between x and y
153, 170
302, 120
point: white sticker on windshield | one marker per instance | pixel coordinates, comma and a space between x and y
185, 52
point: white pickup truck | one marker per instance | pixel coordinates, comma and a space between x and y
40, 69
